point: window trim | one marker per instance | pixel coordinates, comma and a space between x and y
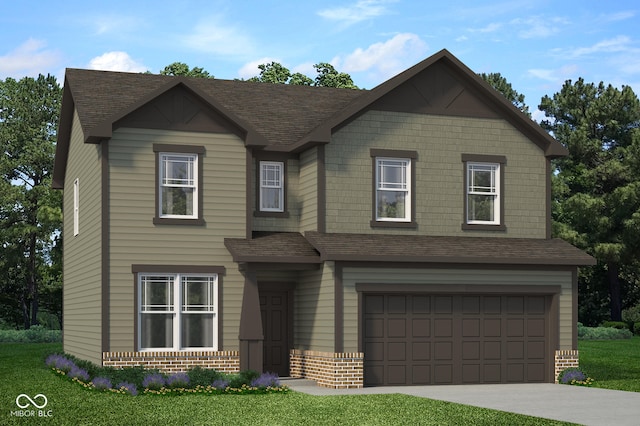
199, 151
178, 270
481, 159
261, 185
76, 207
271, 158
409, 156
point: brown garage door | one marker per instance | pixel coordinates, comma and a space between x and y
415, 339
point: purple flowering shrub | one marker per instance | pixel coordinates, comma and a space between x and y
102, 383
266, 380
59, 362
220, 384
126, 387
78, 373
178, 380
154, 381
574, 376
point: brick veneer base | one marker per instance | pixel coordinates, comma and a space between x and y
173, 362
329, 369
565, 359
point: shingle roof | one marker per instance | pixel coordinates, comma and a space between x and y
283, 247
315, 247
281, 113
474, 250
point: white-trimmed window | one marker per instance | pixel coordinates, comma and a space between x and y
76, 207
178, 311
393, 189
178, 180
271, 186
483, 193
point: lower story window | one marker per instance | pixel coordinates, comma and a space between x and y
177, 311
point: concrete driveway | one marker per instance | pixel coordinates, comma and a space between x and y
587, 406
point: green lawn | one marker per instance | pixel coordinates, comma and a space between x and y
22, 370
614, 364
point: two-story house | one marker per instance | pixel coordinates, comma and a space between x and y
400, 235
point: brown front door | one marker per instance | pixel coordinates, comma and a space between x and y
274, 309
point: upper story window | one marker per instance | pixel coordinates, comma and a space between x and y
76, 207
179, 184
271, 186
484, 198
394, 196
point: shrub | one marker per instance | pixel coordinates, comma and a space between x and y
636, 328
154, 381
102, 383
178, 380
602, 333
242, 378
36, 334
574, 376
631, 315
220, 384
126, 387
60, 362
78, 373
266, 380
620, 325
199, 376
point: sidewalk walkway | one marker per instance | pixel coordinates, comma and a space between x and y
586, 406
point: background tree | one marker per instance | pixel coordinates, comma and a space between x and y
596, 189
30, 210
498, 82
328, 76
180, 68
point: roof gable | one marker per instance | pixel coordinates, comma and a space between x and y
440, 84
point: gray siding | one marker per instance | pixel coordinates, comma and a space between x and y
136, 240
82, 253
352, 276
314, 310
439, 141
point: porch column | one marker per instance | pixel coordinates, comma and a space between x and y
251, 335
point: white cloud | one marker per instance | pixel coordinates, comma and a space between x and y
491, 28
116, 61
250, 69
29, 59
555, 75
384, 60
362, 10
616, 44
213, 36
539, 26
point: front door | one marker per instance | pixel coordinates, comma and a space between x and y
274, 309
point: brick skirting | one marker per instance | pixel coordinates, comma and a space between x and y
565, 359
329, 369
173, 362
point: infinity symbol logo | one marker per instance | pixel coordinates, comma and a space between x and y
23, 396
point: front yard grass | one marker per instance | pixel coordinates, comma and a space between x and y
614, 364
22, 371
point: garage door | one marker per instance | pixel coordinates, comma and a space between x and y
416, 339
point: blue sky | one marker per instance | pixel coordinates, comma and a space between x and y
535, 44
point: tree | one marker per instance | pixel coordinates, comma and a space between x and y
596, 189
180, 68
498, 82
30, 210
328, 76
